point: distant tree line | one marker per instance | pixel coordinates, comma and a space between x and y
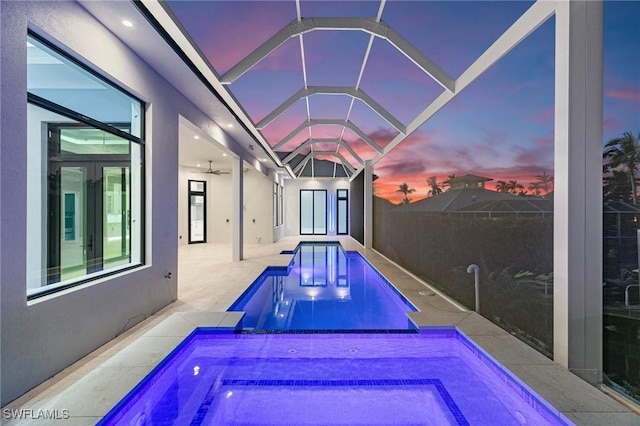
622, 161
542, 184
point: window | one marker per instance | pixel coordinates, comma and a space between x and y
276, 210
281, 205
278, 218
85, 157
342, 213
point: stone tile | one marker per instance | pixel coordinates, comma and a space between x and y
96, 393
204, 319
231, 320
175, 325
600, 419
145, 351
508, 350
477, 325
430, 318
564, 390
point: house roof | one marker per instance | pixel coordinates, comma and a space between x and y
469, 178
620, 206
458, 198
517, 204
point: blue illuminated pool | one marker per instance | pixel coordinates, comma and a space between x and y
434, 377
324, 288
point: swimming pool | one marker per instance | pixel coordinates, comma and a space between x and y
323, 288
436, 376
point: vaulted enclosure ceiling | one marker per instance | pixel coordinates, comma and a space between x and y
328, 85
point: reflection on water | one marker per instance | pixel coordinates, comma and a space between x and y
325, 288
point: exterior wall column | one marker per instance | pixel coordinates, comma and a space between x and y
577, 305
368, 204
237, 230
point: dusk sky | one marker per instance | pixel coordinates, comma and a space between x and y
500, 127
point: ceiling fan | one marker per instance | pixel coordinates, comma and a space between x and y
214, 172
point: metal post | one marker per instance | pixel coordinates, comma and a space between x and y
476, 275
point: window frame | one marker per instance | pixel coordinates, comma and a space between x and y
344, 198
40, 102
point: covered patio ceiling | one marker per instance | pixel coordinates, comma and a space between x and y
324, 86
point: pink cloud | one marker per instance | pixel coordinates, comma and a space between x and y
543, 142
632, 95
611, 123
544, 116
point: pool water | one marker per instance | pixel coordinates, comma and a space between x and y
434, 377
324, 288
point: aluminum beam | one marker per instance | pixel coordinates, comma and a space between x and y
314, 154
308, 142
333, 90
337, 122
368, 25
535, 16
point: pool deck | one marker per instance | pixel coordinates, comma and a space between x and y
208, 282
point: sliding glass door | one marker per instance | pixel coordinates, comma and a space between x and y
313, 212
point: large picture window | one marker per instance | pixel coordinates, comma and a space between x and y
85, 173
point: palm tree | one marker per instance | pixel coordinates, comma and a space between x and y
615, 187
513, 187
404, 188
624, 154
544, 180
434, 186
447, 183
501, 186
535, 187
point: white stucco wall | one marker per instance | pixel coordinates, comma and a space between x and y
258, 207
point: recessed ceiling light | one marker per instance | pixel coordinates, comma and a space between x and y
230, 125
127, 23
198, 165
224, 155
196, 137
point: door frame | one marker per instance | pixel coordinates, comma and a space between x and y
189, 194
346, 212
313, 200
94, 221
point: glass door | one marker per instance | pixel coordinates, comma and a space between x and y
89, 200
313, 212
116, 208
197, 211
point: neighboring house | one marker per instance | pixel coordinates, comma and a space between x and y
465, 190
